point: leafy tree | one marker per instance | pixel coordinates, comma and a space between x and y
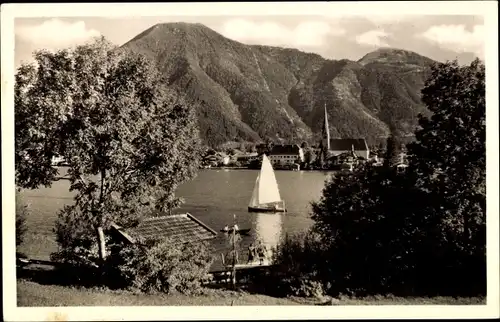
449, 161
309, 156
393, 148
369, 218
269, 144
129, 141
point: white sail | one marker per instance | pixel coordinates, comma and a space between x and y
268, 186
254, 202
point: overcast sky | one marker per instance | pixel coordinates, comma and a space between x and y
438, 37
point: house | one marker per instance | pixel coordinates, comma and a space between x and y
226, 159
359, 146
246, 157
286, 154
179, 228
344, 158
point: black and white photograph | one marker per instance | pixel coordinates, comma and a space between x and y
293, 160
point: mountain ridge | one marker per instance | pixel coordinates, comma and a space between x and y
254, 92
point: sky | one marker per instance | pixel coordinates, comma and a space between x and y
440, 37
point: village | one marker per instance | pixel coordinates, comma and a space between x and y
335, 154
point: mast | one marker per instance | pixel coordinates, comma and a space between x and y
234, 252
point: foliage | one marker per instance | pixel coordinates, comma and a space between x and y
422, 232
22, 212
163, 266
365, 219
309, 156
393, 149
297, 269
128, 140
449, 161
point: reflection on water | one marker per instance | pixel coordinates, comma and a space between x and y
268, 228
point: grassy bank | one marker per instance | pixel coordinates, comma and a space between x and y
33, 294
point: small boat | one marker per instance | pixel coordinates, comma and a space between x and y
238, 231
22, 260
266, 194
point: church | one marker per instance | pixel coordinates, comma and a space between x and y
338, 146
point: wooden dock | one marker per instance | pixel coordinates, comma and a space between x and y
243, 266
223, 275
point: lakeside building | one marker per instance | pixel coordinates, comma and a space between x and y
286, 154
358, 146
247, 157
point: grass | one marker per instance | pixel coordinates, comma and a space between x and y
33, 294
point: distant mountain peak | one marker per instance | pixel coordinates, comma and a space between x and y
254, 92
395, 56
178, 29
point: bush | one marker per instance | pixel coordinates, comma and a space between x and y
78, 250
76, 239
297, 270
161, 266
22, 211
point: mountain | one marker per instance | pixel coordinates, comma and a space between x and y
250, 93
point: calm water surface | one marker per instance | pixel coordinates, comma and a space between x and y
213, 197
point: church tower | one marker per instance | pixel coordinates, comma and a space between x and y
325, 135
324, 143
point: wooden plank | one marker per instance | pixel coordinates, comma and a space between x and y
124, 234
201, 223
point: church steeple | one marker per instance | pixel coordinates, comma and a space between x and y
326, 131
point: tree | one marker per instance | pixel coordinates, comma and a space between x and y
269, 144
369, 218
309, 156
449, 161
128, 140
393, 148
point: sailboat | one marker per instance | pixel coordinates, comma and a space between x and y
266, 194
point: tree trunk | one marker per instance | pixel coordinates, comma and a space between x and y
100, 231
102, 244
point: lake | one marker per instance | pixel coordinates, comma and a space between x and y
212, 197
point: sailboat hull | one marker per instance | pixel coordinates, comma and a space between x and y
266, 209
